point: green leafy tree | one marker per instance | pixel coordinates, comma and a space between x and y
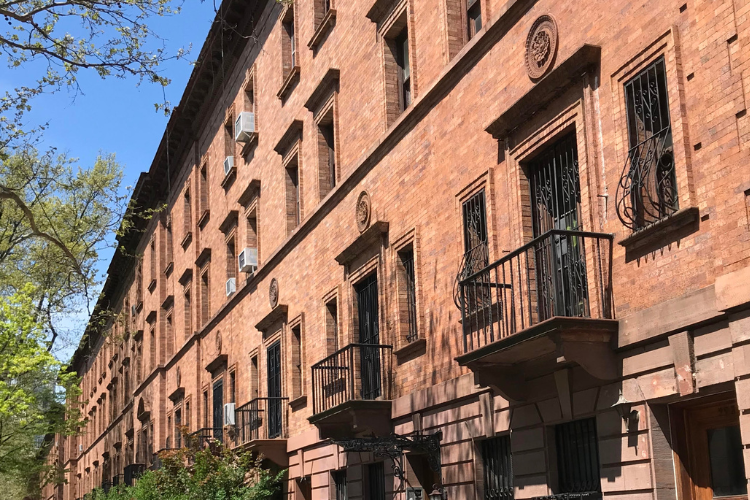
213, 473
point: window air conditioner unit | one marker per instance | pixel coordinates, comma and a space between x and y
244, 126
231, 286
248, 260
229, 414
228, 164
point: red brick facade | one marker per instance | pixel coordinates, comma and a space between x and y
394, 99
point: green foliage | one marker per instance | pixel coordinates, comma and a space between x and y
33, 390
215, 473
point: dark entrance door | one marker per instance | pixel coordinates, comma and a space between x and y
367, 309
556, 204
218, 413
274, 390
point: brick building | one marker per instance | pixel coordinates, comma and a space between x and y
497, 246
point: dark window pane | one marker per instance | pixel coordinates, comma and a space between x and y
498, 470
727, 464
577, 456
375, 482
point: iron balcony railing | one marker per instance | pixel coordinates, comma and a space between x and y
355, 372
560, 273
133, 472
205, 436
117, 479
262, 418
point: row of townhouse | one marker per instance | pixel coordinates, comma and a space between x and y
461, 248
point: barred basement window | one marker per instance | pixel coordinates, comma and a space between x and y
647, 191
339, 483
498, 469
375, 482
577, 457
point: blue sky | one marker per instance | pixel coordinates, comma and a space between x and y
116, 115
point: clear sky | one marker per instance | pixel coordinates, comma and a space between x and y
116, 115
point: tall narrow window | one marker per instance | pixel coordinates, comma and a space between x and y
254, 380
170, 337
375, 482
498, 470
187, 214
326, 155
407, 295
204, 191
476, 253
648, 187
404, 73
205, 297
178, 428
152, 347
188, 313
152, 256
332, 326
296, 341
169, 249
232, 387
289, 43
205, 409
577, 457
252, 230
231, 259
187, 416
139, 283
292, 196
473, 18
274, 392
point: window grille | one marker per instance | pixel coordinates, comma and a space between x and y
498, 469
376, 481
577, 457
407, 261
339, 482
647, 191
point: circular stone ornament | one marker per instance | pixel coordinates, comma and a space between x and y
363, 211
541, 46
273, 293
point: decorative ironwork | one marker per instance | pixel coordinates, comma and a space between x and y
347, 375
541, 46
498, 468
476, 249
363, 211
407, 260
577, 457
394, 446
273, 293
369, 333
560, 273
259, 418
647, 191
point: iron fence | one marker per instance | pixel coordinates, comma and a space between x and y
355, 372
204, 436
262, 418
560, 273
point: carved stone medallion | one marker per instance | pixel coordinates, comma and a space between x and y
273, 293
541, 46
178, 377
363, 211
218, 341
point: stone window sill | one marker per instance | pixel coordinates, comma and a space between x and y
325, 26
660, 231
288, 81
412, 348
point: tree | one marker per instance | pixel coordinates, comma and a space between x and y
213, 473
32, 391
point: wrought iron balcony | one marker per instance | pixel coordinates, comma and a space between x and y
356, 378
206, 436
133, 472
117, 479
559, 283
262, 426
262, 418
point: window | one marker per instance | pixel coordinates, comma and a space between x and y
178, 428
473, 18
321, 10
152, 256
187, 416
498, 469
648, 188
407, 295
232, 262
203, 191
577, 457
476, 251
332, 326
375, 489
273, 379
188, 313
232, 387
326, 154
254, 381
229, 136
139, 283
205, 297
404, 69
297, 362
152, 346
205, 409
304, 488
170, 336
292, 195
339, 484
288, 43
168, 231
252, 230
187, 215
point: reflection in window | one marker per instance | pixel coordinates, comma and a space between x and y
727, 464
